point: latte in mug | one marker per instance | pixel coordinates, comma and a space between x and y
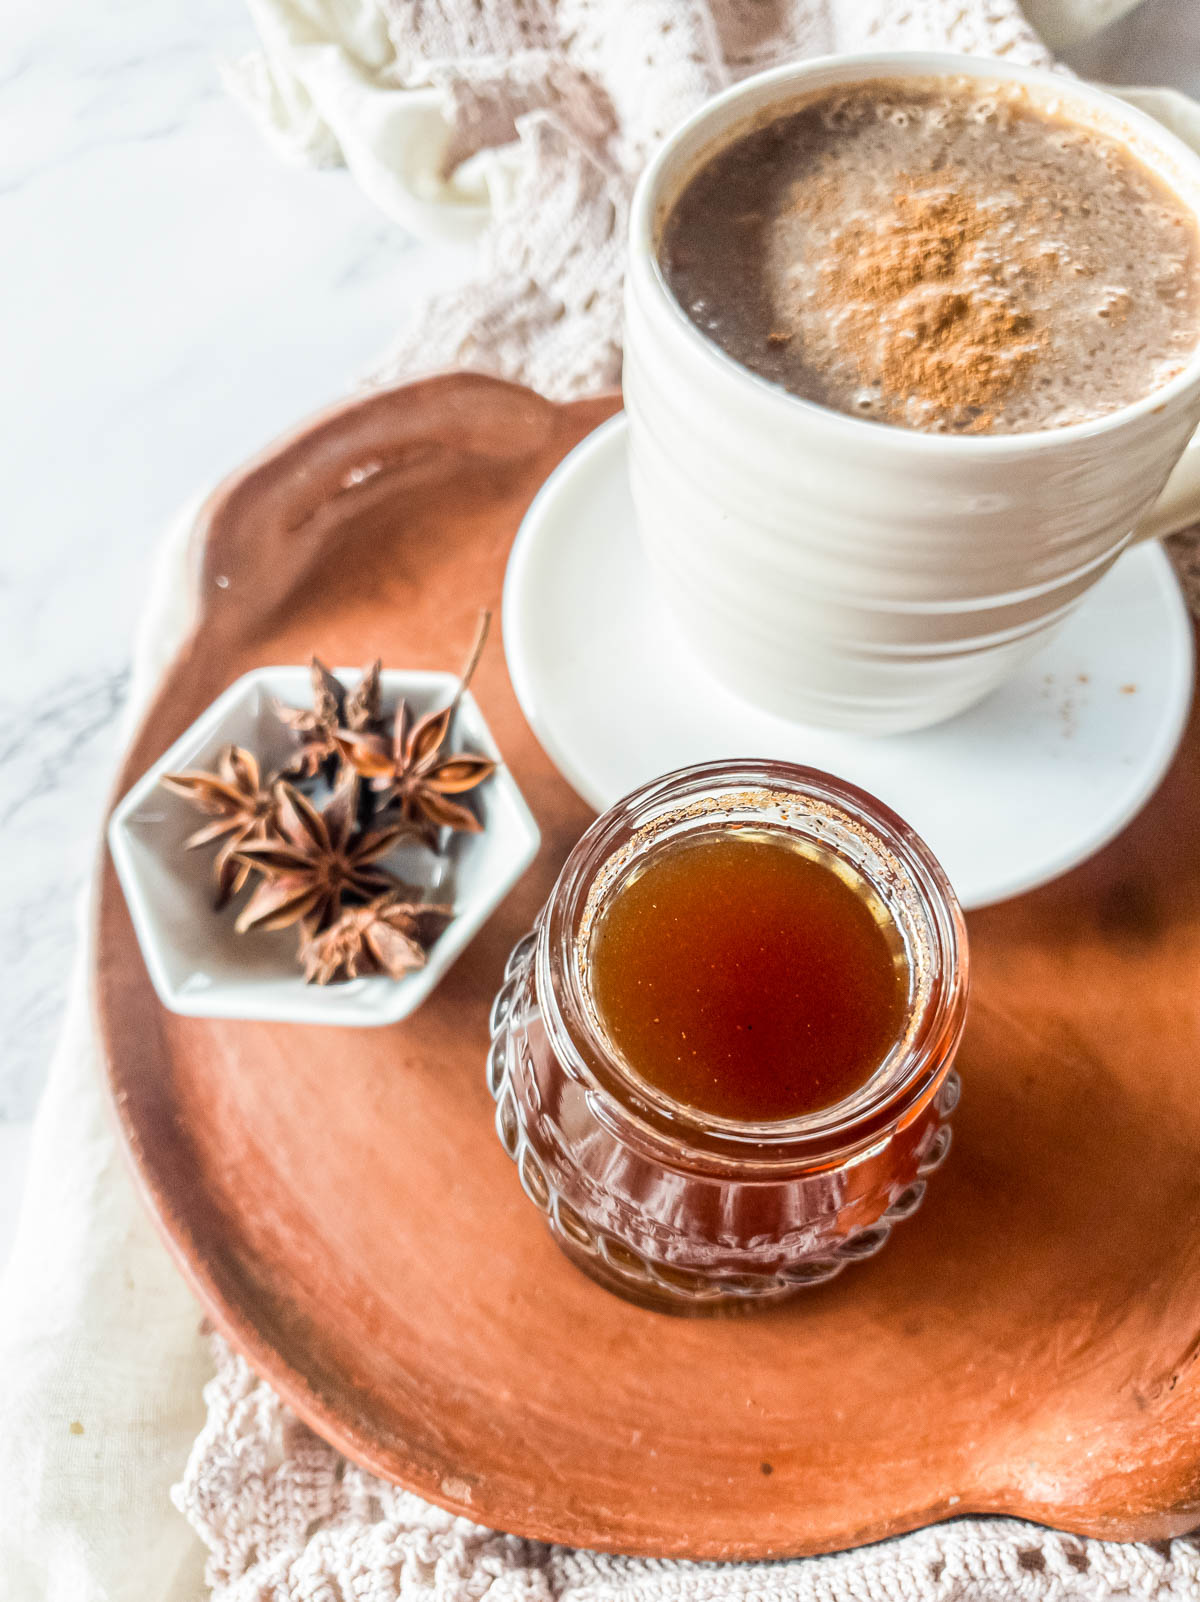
939, 254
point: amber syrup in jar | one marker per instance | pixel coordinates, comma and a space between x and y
723, 1059
749, 975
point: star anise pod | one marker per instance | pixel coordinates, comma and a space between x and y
388, 936
414, 769
332, 709
241, 809
312, 859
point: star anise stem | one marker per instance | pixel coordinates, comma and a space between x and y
472, 662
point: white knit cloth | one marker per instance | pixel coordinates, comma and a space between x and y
526, 121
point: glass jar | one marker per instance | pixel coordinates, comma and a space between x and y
691, 1213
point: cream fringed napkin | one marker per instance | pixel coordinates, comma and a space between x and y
522, 122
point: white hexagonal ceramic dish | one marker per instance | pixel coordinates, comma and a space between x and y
197, 961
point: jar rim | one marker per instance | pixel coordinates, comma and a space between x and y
915, 1067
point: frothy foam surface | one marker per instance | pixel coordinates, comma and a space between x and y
939, 255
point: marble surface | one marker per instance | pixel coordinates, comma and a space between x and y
174, 296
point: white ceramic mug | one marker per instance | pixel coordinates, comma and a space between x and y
851, 573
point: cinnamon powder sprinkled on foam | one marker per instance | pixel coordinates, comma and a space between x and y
922, 309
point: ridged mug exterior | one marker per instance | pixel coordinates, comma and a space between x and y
850, 573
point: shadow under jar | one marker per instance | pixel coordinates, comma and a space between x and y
685, 1210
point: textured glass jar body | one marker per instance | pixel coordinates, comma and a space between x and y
693, 1215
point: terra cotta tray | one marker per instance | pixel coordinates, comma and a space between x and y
339, 1201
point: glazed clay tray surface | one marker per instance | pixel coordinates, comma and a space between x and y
338, 1198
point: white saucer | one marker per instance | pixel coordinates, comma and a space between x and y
1008, 795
